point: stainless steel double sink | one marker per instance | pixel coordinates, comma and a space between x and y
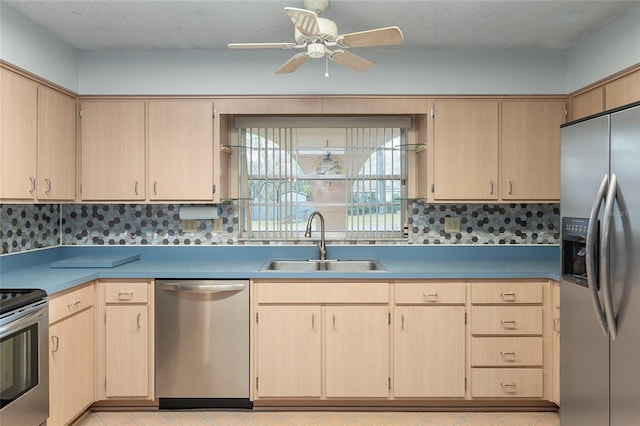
315, 265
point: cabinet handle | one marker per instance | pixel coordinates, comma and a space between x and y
56, 343
138, 320
75, 304
313, 321
48, 181
430, 297
125, 295
508, 385
508, 323
491, 184
33, 184
155, 187
510, 295
334, 321
135, 188
504, 354
402, 318
510, 187
556, 324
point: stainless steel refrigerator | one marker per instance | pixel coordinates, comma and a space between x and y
600, 284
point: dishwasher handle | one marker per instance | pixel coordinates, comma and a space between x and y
201, 288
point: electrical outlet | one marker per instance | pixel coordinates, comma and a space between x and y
452, 224
217, 225
189, 225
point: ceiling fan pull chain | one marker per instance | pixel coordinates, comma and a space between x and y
326, 66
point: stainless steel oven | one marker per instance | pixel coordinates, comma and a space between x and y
24, 358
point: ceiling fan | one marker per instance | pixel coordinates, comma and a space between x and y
320, 38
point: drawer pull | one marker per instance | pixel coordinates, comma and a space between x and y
431, 297
508, 323
55, 341
507, 354
75, 305
125, 295
508, 387
509, 296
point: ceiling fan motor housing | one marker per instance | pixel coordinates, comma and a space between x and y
328, 31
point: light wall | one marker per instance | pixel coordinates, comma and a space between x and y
613, 48
31, 47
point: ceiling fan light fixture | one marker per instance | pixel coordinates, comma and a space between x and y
315, 50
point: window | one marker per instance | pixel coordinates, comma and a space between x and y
351, 172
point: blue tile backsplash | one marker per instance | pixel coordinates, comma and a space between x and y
28, 226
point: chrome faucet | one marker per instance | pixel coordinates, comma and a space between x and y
307, 233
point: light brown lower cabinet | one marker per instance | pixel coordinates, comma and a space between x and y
71, 355
125, 340
289, 342
408, 342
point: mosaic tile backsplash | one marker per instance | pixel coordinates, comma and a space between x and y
26, 227
485, 224
29, 226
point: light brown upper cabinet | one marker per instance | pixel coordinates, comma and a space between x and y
18, 136
181, 155
37, 142
464, 150
112, 136
587, 103
622, 91
530, 150
56, 146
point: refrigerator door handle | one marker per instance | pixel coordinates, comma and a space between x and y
605, 262
592, 232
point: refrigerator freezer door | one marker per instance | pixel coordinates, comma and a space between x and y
625, 268
584, 349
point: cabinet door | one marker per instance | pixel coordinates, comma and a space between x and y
181, 150
465, 150
530, 155
56, 145
429, 351
71, 367
127, 351
289, 351
113, 150
18, 133
555, 344
357, 351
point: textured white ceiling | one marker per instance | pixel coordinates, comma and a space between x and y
426, 24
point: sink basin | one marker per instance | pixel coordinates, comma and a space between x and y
314, 265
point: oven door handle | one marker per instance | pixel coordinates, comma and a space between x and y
592, 232
201, 288
28, 317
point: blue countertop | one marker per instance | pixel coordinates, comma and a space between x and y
32, 268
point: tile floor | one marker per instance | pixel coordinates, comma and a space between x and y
322, 418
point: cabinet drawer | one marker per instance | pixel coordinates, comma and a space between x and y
506, 383
506, 351
421, 293
323, 292
506, 292
506, 320
68, 304
126, 292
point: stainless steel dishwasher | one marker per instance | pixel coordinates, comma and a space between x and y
202, 344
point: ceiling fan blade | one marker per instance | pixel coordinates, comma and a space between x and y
352, 61
305, 20
263, 45
293, 64
378, 37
